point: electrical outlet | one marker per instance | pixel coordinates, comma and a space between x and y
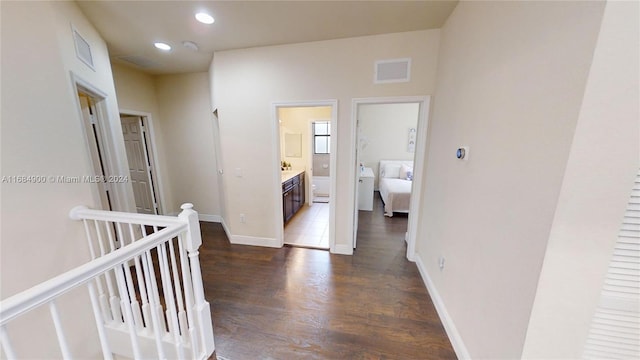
441, 262
242, 219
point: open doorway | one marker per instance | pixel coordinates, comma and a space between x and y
138, 143
389, 145
306, 157
92, 118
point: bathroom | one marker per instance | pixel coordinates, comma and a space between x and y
304, 146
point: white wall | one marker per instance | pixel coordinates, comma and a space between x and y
42, 134
136, 91
384, 128
296, 120
187, 124
602, 163
248, 81
511, 78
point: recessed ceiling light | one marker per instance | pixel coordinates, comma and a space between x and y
162, 46
204, 18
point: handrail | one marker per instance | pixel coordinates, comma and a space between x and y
84, 213
125, 290
42, 293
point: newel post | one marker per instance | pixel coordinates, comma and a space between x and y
201, 309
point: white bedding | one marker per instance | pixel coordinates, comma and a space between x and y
395, 191
396, 194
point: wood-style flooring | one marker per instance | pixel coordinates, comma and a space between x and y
297, 303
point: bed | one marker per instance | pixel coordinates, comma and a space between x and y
394, 182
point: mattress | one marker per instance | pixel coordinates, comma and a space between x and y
396, 194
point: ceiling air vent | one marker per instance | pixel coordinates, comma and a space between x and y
139, 61
392, 71
83, 49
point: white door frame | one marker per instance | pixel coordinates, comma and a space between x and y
418, 163
277, 179
115, 160
152, 152
101, 133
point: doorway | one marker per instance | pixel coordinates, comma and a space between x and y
139, 150
96, 145
305, 153
409, 153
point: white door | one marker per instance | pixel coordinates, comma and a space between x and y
139, 164
358, 180
96, 143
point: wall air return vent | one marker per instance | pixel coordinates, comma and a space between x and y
83, 49
392, 71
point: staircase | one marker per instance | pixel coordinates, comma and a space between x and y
144, 284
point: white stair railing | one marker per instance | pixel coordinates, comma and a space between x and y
144, 283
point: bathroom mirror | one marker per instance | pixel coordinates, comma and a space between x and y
293, 145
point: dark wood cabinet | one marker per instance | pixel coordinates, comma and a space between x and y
293, 196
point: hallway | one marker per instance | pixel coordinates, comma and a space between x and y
294, 303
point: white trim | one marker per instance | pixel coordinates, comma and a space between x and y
419, 163
226, 228
209, 218
113, 162
247, 240
449, 326
255, 241
343, 249
277, 176
155, 169
277, 179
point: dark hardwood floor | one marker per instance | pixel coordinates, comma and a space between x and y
296, 303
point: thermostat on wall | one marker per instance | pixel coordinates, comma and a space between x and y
463, 153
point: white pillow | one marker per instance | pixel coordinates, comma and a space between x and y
406, 172
391, 171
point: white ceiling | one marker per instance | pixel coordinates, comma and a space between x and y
131, 27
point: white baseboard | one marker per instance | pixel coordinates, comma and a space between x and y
238, 239
201, 217
254, 241
209, 218
447, 322
343, 249
225, 227
249, 240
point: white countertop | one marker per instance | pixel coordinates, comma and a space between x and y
288, 174
367, 173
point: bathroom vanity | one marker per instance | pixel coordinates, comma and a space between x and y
293, 193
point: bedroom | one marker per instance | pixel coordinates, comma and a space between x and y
386, 138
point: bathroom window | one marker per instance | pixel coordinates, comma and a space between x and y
321, 137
